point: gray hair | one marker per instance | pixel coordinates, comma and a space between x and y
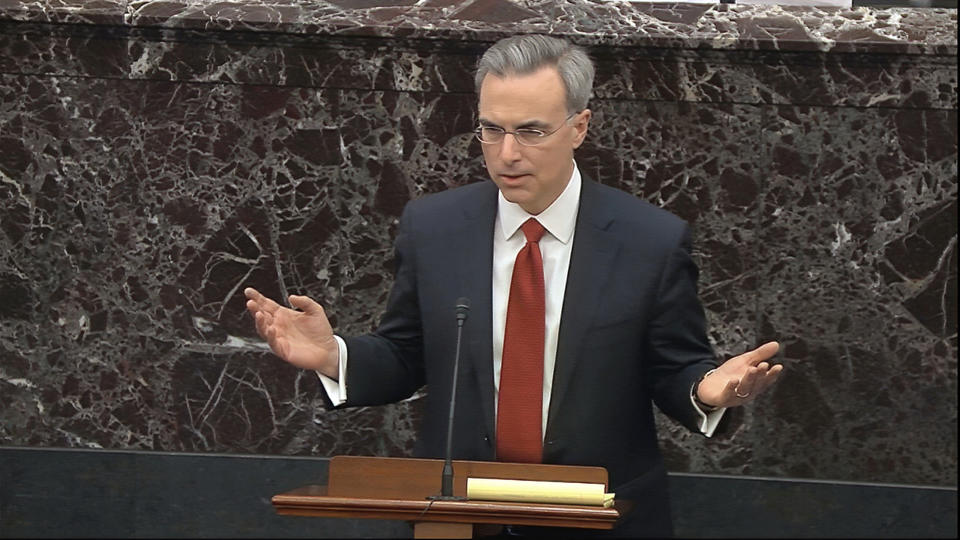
522, 55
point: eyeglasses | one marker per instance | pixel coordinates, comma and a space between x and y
524, 136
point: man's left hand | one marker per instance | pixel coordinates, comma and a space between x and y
741, 379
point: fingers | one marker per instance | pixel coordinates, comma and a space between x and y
306, 304
258, 302
755, 380
252, 294
263, 310
733, 394
263, 322
756, 356
768, 377
745, 387
278, 344
763, 352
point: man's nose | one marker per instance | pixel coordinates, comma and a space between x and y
509, 148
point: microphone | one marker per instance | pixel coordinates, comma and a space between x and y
463, 308
446, 490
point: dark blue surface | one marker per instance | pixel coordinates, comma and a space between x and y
114, 494
117, 494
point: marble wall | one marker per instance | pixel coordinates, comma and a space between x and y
158, 156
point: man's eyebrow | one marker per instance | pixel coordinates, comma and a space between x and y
533, 124
529, 124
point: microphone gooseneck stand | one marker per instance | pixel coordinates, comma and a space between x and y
446, 490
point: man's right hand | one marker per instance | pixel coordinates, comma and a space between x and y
303, 338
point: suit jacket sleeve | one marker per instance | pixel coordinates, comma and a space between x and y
677, 343
387, 365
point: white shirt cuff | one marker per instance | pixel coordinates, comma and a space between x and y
709, 421
337, 390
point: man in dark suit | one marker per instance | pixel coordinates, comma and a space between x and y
584, 303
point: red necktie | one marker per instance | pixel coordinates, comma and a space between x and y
520, 406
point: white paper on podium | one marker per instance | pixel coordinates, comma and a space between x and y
499, 489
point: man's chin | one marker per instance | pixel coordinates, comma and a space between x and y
514, 194
520, 197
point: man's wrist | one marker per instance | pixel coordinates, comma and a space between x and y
696, 394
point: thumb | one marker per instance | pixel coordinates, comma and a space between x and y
306, 304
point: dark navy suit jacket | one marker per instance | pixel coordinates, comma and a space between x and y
632, 333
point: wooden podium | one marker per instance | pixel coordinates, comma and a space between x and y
398, 489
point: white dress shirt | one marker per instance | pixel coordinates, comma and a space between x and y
556, 245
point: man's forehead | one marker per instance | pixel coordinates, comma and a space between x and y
549, 70
522, 99
546, 78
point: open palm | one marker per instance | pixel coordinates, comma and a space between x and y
302, 338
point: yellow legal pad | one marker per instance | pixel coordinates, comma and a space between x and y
497, 489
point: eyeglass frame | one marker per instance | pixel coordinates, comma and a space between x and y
543, 135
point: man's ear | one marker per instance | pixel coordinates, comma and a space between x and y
581, 124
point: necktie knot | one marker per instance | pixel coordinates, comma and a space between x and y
533, 230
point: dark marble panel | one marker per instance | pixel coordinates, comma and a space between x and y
628, 24
299, 60
869, 325
125, 267
752, 77
662, 74
153, 164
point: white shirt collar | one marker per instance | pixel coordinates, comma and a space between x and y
559, 219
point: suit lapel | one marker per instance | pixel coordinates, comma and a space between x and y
476, 277
594, 250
